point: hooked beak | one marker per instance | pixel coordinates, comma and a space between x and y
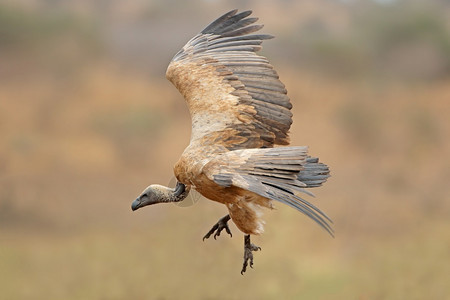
136, 204
143, 200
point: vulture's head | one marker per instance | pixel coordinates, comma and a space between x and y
151, 195
156, 193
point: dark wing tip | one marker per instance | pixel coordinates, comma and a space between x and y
232, 24
219, 20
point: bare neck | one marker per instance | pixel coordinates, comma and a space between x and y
177, 194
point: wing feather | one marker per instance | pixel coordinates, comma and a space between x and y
277, 174
217, 24
229, 88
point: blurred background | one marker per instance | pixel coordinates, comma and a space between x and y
88, 120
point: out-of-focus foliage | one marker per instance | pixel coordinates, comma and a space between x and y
401, 40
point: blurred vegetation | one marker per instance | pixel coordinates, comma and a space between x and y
403, 40
21, 28
47, 42
87, 120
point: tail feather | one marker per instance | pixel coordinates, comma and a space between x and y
279, 174
314, 173
287, 196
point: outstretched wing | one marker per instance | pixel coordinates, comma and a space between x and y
234, 95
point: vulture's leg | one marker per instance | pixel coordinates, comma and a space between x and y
218, 227
248, 255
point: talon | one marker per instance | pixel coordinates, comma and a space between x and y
248, 255
218, 227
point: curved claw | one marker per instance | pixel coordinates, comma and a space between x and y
218, 227
248, 255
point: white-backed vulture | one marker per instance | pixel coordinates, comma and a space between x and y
239, 111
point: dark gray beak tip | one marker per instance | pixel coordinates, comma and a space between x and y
136, 204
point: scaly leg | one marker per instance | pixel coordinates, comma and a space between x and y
248, 255
218, 227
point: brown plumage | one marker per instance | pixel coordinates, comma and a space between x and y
239, 111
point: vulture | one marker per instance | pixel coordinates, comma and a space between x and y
240, 112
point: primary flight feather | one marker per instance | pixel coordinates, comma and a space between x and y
239, 111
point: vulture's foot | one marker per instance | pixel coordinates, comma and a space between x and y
248, 255
218, 227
